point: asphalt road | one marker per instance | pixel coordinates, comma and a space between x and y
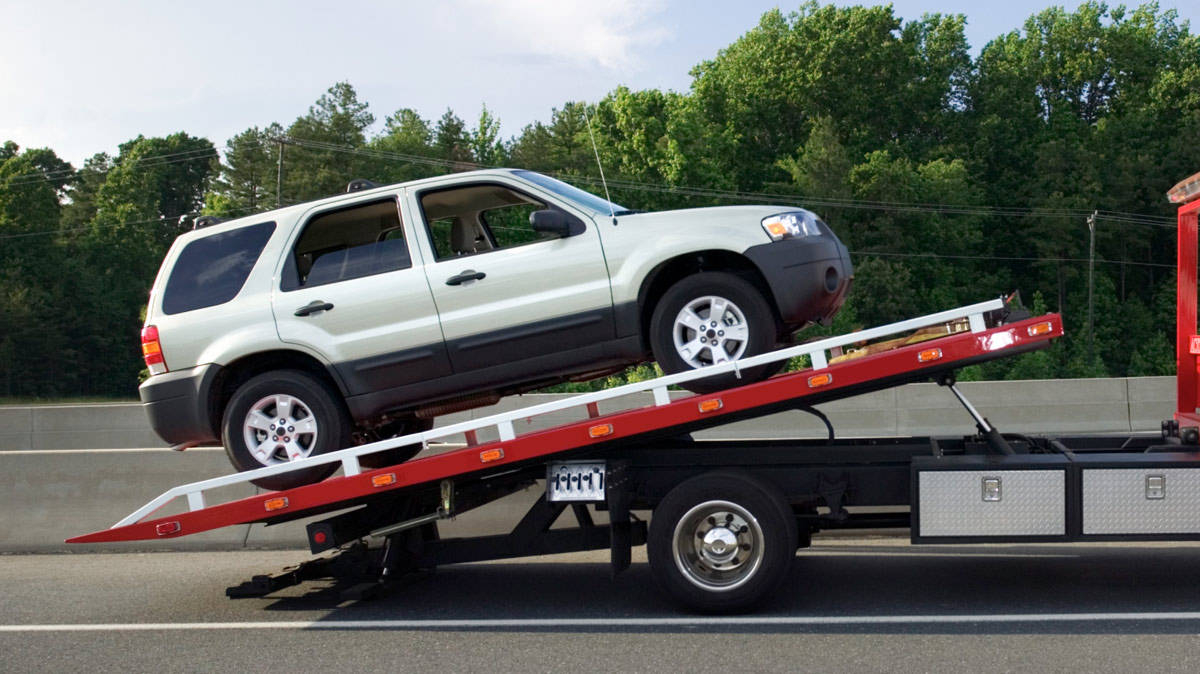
858, 605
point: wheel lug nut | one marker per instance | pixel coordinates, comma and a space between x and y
720, 333
713, 324
744, 529
291, 429
712, 520
746, 547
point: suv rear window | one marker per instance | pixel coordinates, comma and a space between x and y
212, 270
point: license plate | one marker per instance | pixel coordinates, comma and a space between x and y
575, 481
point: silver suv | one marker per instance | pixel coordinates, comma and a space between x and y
366, 315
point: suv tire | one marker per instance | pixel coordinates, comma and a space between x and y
314, 422
745, 314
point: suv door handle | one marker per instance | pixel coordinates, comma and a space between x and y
313, 307
468, 275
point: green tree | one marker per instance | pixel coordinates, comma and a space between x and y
452, 141
248, 175
322, 161
484, 140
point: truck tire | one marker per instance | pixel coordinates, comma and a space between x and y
391, 457
712, 317
278, 417
721, 542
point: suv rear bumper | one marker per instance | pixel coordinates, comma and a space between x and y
177, 404
809, 277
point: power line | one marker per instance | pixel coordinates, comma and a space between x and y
165, 219
949, 209
140, 162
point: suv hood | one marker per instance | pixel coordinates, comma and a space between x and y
715, 215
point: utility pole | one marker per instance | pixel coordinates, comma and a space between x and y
1091, 222
279, 176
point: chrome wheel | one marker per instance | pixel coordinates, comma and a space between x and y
710, 330
718, 545
279, 428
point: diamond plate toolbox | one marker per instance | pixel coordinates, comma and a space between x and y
1141, 501
991, 503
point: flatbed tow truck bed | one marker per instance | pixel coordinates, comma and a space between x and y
728, 516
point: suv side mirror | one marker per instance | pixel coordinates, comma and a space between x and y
555, 222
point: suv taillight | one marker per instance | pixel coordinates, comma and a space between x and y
152, 350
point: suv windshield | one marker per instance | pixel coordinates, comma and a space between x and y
574, 194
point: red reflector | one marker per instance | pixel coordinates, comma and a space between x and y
277, 503
1194, 345
319, 538
489, 455
818, 380
167, 528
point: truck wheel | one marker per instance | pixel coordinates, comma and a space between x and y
721, 542
282, 416
395, 429
709, 318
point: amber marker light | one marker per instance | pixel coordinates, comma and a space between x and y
928, 355
277, 503
1039, 329
601, 430
711, 405
819, 380
490, 455
383, 480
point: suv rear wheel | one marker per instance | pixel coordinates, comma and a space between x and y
282, 416
710, 318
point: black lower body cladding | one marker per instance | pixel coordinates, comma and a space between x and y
178, 405
809, 277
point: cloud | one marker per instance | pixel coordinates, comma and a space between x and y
608, 34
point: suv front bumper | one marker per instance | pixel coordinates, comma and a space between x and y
178, 405
809, 276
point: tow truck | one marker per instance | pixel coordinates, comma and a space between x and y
726, 517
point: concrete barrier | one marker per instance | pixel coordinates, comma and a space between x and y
71, 469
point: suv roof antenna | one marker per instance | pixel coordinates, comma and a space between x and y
592, 136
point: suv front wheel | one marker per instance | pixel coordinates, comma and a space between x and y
710, 318
282, 416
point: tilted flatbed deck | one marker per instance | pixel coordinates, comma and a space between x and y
835, 380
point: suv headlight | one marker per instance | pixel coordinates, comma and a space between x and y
790, 225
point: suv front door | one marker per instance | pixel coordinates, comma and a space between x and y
352, 290
506, 293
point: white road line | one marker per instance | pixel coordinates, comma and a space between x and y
720, 621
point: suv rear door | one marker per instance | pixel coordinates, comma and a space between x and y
506, 293
353, 290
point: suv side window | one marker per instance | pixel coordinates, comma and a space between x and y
212, 270
479, 218
348, 243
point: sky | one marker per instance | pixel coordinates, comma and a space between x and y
83, 77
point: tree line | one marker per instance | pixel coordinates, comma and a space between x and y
951, 179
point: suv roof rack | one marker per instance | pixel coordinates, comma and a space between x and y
207, 221
360, 184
